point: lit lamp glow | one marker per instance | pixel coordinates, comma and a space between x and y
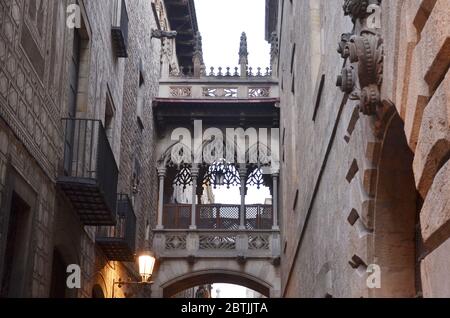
146, 265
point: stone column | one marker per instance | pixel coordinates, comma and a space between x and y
194, 175
243, 177
275, 201
161, 175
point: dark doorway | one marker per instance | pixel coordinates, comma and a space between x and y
16, 249
58, 285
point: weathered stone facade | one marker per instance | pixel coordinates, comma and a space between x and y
36, 57
365, 166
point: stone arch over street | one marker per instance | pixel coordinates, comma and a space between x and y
174, 277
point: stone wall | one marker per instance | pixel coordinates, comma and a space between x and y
355, 187
35, 55
419, 68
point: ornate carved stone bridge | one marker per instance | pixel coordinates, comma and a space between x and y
216, 128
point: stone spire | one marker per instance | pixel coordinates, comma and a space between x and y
274, 51
243, 55
197, 58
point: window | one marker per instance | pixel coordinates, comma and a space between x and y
58, 287
293, 58
109, 118
15, 257
136, 177
140, 100
119, 28
293, 85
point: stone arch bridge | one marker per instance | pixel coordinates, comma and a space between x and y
196, 240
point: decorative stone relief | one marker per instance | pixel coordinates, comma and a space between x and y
259, 92
221, 242
364, 51
181, 91
175, 242
258, 242
219, 92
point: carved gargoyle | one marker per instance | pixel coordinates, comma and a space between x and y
160, 34
345, 38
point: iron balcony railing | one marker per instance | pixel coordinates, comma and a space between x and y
90, 172
120, 33
218, 216
119, 242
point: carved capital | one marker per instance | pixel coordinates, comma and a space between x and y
162, 172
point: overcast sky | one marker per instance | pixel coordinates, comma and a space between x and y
221, 23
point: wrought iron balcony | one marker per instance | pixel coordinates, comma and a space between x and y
218, 216
118, 242
89, 175
120, 33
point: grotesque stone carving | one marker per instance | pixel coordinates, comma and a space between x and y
365, 49
345, 38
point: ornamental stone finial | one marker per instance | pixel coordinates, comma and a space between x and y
197, 58
243, 55
274, 50
243, 51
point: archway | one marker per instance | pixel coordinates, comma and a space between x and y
193, 279
395, 214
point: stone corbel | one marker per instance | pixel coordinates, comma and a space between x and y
160, 34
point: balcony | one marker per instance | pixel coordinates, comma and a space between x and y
218, 216
218, 233
223, 87
118, 242
89, 175
120, 32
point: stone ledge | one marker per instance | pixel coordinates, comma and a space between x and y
435, 215
434, 272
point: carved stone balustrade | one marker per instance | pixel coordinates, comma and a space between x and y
219, 87
224, 244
